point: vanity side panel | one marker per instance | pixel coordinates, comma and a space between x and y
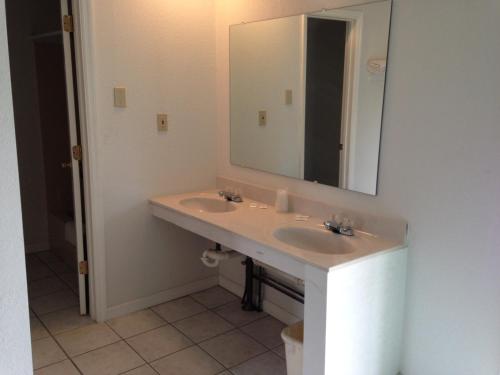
363, 310
368, 301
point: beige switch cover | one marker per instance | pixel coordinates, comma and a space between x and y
288, 97
120, 97
262, 118
162, 122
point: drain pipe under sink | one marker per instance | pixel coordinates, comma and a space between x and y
212, 257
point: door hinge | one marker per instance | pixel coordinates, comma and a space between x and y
77, 152
83, 267
68, 24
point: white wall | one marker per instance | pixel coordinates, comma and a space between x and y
15, 344
365, 132
163, 52
438, 169
267, 59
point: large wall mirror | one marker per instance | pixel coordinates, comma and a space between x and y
307, 93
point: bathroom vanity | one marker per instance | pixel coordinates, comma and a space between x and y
306, 102
354, 286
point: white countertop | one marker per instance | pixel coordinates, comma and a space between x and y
256, 224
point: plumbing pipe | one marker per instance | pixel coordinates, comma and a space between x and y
211, 258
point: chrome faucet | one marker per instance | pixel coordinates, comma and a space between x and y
340, 225
230, 196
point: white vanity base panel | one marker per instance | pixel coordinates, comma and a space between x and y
354, 316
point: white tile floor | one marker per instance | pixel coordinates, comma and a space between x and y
203, 334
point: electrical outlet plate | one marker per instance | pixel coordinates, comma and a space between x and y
162, 122
262, 118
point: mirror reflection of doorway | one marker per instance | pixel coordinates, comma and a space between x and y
41, 55
326, 47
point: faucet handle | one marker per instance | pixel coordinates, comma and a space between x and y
348, 222
338, 218
330, 225
344, 221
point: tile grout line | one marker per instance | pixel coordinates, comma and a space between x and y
58, 274
120, 339
50, 312
245, 324
136, 334
52, 364
40, 278
68, 357
238, 329
229, 368
58, 344
194, 343
98, 348
136, 368
130, 346
249, 359
52, 336
235, 328
177, 320
57, 291
48, 264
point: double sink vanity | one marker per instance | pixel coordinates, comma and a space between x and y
354, 285
306, 103
293, 238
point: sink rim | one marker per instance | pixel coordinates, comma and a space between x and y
323, 241
202, 204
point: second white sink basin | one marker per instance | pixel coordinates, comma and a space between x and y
202, 204
316, 240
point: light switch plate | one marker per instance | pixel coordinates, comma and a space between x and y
262, 118
120, 97
288, 97
162, 122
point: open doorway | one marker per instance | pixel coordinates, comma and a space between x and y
42, 60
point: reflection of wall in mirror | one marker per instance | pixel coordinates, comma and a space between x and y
266, 61
365, 132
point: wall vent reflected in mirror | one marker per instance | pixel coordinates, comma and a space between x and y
307, 95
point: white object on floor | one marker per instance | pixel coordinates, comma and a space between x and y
293, 337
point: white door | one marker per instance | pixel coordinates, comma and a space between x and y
75, 161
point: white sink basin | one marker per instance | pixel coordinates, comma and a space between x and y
316, 240
213, 205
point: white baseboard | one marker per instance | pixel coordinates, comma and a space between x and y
230, 285
269, 307
163, 296
36, 247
